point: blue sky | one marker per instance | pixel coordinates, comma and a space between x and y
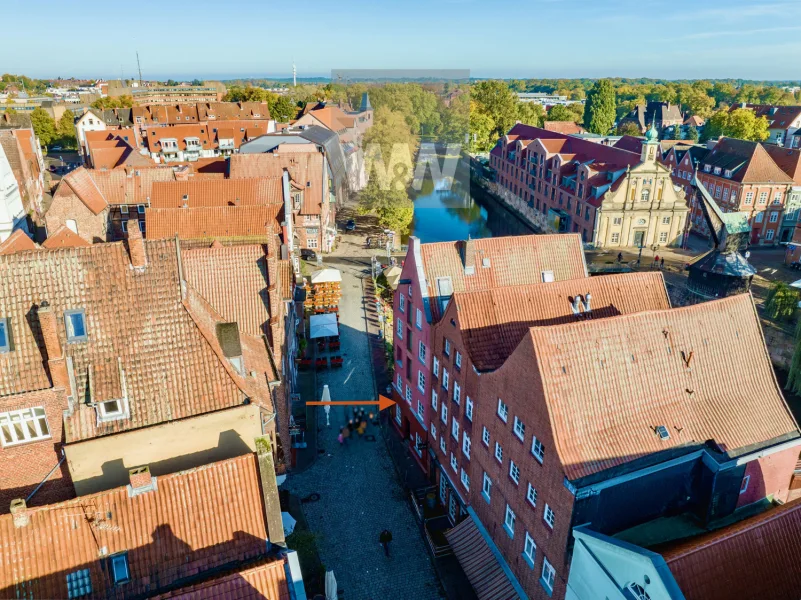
750, 39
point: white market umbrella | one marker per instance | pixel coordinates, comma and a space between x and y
796, 284
288, 521
324, 325
326, 276
327, 408
330, 586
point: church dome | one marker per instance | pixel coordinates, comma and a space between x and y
652, 135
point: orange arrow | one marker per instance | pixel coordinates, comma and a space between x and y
383, 402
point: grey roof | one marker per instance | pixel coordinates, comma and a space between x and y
333, 150
365, 103
15, 121
269, 142
732, 264
118, 116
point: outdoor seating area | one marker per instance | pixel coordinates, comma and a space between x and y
323, 291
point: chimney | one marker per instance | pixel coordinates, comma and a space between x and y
587, 299
269, 490
228, 337
136, 245
576, 305
56, 362
19, 511
141, 481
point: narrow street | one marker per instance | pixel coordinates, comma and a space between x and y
359, 491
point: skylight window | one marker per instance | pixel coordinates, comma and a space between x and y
5, 343
119, 567
663, 432
75, 321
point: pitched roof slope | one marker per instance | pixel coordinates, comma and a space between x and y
305, 169
193, 521
788, 160
156, 356
748, 161
64, 237
208, 222
755, 558
217, 192
18, 241
266, 581
511, 260
701, 371
494, 321
566, 127
233, 279
123, 185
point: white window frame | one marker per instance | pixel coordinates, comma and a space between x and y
548, 516
486, 487
444, 415
509, 519
485, 437
774, 217
447, 349
120, 560
408, 394
455, 429
519, 429
458, 360
124, 209
744, 484
421, 411
468, 409
529, 550
514, 472
433, 429
72, 337
402, 303
399, 329
434, 400
27, 418
503, 410
537, 449
548, 575
104, 413
442, 443
435, 366
421, 381
467, 445
418, 318
457, 393
445, 378
454, 463
421, 352
531, 494
547, 277
465, 478
498, 452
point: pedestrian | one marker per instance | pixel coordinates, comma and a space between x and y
341, 438
620, 257
363, 424
662, 263
656, 260
345, 434
360, 431
384, 539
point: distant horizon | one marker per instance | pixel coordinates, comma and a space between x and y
680, 40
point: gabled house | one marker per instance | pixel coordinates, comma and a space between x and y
23, 156
662, 115
118, 355
783, 121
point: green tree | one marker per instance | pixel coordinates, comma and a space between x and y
745, 125
794, 373
392, 206
113, 102
197, 82
496, 100
282, 109
530, 113
781, 302
599, 110
390, 148
692, 134
482, 129
629, 128
171, 82
676, 133
563, 113
65, 130
44, 126
238, 93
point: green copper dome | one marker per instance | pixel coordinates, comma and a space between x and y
652, 135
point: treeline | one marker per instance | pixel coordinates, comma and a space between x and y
31, 86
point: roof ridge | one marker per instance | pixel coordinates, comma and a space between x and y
759, 153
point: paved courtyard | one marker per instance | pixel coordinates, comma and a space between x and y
360, 495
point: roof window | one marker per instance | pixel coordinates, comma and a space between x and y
5, 336
75, 320
547, 277
662, 432
119, 567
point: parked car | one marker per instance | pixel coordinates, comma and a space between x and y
55, 149
307, 254
350, 225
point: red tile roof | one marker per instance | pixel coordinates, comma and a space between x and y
630, 143
511, 260
305, 169
748, 161
493, 321
83, 185
256, 222
217, 192
706, 369
755, 558
787, 159
565, 127
170, 367
264, 582
125, 185
64, 237
18, 241
180, 133
205, 519
782, 117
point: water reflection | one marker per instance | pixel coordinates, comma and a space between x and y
445, 213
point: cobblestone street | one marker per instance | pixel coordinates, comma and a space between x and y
360, 493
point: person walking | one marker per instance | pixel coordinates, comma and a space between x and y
619, 257
345, 434
384, 539
656, 260
662, 264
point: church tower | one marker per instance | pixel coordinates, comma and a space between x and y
650, 147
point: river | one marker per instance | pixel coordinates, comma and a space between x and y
445, 213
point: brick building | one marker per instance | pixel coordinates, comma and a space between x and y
169, 536
541, 423
431, 274
783, 121
610, 196
662, 115
145, 353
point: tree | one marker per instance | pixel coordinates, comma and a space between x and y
676, 133
65, 130
44, 126
389, 147
282, 109
113, 102
197, 82
497, 101
741, 123
237, 93
530, 113
171, 83
482, 129
563, 113
692, 134
629, 128
599, 109
794, 374
392, 206
781, 302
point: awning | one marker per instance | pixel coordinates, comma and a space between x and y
393, 275
480, 563
324, 325
326, 276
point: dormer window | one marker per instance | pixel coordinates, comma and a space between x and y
111, 410
707, 168
717, 170
20, 426
75, 320
140, 208
5, 337
727, 173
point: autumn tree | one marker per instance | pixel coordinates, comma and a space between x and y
498, 102
65, 130
530, 113
44, 126
392, 206
599, 109
629, 128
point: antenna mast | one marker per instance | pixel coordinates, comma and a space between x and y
139, 66
294, 74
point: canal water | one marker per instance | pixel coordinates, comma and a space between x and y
445, 212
